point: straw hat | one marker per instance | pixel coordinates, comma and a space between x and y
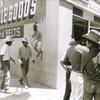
25, 40
8, 39
93, 36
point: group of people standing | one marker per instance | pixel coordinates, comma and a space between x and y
83, 82
24, 54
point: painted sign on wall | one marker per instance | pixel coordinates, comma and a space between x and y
18, 11
15, 32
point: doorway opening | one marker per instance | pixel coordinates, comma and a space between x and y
80, 26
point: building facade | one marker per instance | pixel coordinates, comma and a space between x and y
57, 20
75, 17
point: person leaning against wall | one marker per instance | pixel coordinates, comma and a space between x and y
5, 63
36, 41
90, 66
24, 55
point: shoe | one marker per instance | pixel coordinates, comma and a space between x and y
26, 86
2, 90
7, 91
21, 82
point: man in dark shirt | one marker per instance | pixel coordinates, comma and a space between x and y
73, 55
90, 66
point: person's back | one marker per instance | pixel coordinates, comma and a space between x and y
73, 57
74, 54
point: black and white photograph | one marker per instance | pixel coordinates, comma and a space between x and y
49, 49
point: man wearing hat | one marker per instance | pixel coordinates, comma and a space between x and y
73, 57
24, 55
90, 66
5, 63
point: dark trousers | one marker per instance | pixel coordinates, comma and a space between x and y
91, 90
24, 69
6, 77
68, 86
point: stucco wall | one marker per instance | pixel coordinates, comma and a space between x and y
54, 18
35, 70
51, 42
65, 31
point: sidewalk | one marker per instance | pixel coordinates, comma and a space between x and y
32, 94
35, 92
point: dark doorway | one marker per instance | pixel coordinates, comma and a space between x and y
80, 26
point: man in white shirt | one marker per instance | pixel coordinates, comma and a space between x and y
5, 63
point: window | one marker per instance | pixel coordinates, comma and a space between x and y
77, 11
80, 26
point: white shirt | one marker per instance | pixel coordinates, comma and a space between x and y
81, 48
5, 51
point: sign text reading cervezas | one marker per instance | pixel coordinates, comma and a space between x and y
18, 11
